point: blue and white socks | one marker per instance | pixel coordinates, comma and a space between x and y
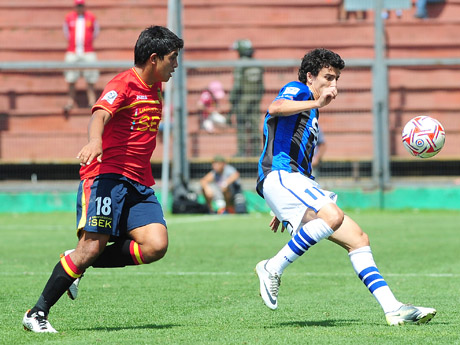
311, 233
366, 269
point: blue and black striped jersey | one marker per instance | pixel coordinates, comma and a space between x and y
289, 141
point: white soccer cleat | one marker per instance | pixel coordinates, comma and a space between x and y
72, 291
269, 285
410, 314
37, 322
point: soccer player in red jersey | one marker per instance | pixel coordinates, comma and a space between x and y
115, 201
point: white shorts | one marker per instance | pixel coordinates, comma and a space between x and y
91, 75
289, 195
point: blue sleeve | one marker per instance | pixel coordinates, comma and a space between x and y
294, 91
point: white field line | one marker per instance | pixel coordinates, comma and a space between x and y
169, 221
99, 272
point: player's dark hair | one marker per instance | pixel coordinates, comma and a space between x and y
155, 39
315, 60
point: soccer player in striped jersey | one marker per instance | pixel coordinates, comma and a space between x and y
115, 201
299, 204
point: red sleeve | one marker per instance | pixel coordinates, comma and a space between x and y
112, 98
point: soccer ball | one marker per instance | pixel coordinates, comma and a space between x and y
423, 136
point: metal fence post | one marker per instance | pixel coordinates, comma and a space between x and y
381, 162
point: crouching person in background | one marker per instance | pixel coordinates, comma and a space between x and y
222, 187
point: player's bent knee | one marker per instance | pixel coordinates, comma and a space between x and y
152, 240
154, 252
332, 215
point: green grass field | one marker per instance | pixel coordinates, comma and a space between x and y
205, 291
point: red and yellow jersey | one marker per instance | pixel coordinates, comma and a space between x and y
129, 137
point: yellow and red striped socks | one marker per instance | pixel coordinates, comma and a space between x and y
136, 253
70, 268
120, 254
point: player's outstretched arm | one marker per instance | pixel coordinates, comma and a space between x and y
95, 130
286, 107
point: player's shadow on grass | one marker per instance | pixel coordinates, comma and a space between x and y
119, 328
323, 323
